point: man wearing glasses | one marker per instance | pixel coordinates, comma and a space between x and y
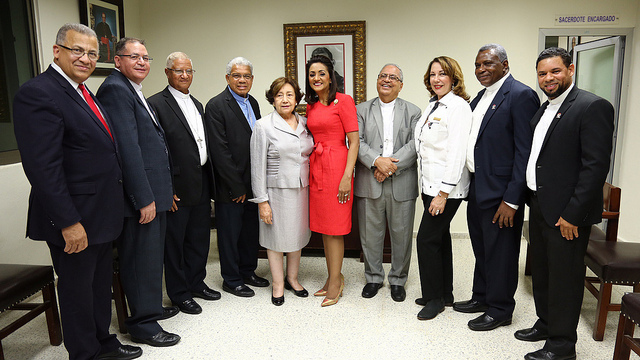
148, 189
232, 115
72, 162
188, 222
386, 182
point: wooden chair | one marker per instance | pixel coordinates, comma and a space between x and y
613, 262
629, 318
17, 283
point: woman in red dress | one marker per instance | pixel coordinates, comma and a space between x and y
331, 116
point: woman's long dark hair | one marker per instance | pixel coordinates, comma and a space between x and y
311, 97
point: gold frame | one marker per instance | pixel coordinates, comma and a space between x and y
354, 28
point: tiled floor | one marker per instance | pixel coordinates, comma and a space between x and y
355, 328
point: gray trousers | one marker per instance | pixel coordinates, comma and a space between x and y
373, 217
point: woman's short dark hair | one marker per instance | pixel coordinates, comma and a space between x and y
277, 85
311, 96
553, 52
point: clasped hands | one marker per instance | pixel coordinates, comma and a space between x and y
385, 167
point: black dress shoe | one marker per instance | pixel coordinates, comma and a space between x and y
240, 290
543, 354
298, 293
531, 334
124, 352
431, 309
255, 280
161, 339
370, 290
470, 306
485, 322
189, 306
397, 293
207, 294
169, 312
277, 301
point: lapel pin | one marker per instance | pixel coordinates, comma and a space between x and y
558, 116
493, 107
335, 101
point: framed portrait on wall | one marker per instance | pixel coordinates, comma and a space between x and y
342, 42
106, 18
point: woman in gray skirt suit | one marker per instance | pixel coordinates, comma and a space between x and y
280, 149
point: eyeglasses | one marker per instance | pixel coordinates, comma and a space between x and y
238, 76
390, 76
79, 52
179, 72
136, 57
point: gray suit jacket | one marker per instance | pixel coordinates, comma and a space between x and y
370, 124
279, 155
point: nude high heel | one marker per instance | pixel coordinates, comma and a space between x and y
329, 302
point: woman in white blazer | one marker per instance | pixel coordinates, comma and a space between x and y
280, 149
441, 143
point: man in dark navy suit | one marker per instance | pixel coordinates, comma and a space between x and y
232, 114
76, 204
188, 223
147, 184
497, 156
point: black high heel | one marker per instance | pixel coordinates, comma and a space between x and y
298, 293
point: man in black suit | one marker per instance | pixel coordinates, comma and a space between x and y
568, 165
147, 184
497, 154
188, 224
71, 160
232, 114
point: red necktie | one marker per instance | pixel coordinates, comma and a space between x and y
93, 107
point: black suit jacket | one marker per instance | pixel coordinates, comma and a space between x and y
145, 159
230, 136
574, 159
504, 141
70, 161
185, 158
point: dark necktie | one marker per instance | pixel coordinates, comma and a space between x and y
94, 107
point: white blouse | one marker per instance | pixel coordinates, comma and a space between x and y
441, 140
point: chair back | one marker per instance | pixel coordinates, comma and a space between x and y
611, 210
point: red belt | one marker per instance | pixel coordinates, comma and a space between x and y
321, 158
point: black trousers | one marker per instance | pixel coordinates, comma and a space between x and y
186, 247
84, 291
237, 240
433, 245
141, 253
557, 271
495, 276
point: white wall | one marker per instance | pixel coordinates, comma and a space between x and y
410, 34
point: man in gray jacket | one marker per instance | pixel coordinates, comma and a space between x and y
386, 182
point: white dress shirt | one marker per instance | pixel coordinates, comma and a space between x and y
540, 133
73, 83
441, 143
194, 119
478, 116
387, 120
138, 89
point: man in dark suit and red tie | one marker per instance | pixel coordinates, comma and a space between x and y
567, 168
497, 154
188, 223
149, 193
76, 204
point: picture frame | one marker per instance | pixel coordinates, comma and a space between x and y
345, 41
106, 18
